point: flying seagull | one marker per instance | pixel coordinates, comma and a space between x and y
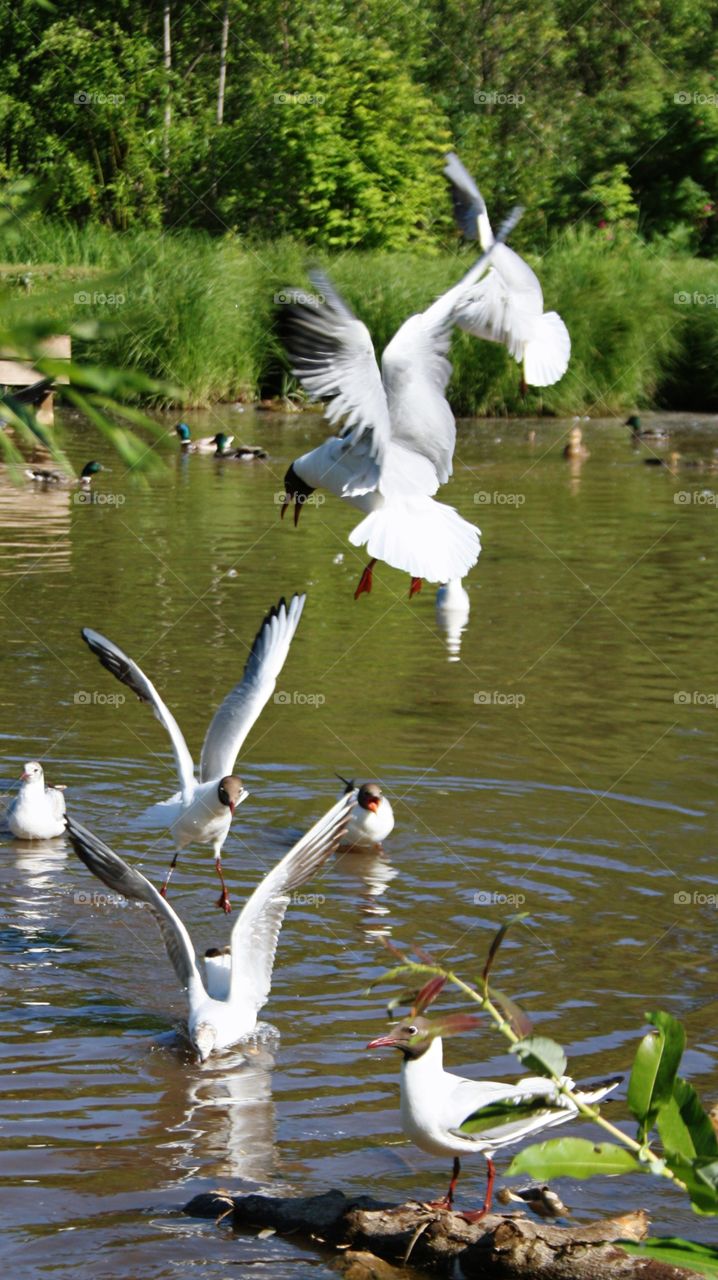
223, 1009
396, 445
202, 810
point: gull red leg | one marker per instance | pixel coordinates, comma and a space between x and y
478, 1214
223, 899
416, 584
165, 882
447, 1201
365, 582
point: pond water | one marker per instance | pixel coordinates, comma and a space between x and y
562, 762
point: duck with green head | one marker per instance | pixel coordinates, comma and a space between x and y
243, 452
206, 444
653, 432
61, 480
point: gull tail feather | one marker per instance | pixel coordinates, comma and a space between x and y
547, 355
420, 536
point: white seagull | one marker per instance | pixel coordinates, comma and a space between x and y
506, 306
372, 820
448, 1115
37, 812
396, 445
202, 811
239, 978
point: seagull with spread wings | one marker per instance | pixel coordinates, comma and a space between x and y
202, 811
223, 1009
506, 305
396, 445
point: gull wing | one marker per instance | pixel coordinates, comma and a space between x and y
256, 932
129, 674
235, 716
333, 356
466, 198
128, 881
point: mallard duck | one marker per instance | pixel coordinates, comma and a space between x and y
575, 449
206, 444
653, 432
243, 452
61, 480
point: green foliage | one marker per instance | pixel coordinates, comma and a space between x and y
335, 114
655, 1065
574, 1158
674, 1252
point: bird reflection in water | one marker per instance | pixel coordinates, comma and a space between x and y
230, 1115
452, 614
375, 872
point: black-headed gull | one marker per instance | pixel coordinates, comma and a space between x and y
396, 445
37, 812
239, 979
373, 818
449, 1115
202, 811
506, 306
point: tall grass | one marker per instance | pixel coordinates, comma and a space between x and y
200, 314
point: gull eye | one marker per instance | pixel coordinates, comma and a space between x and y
411, 1031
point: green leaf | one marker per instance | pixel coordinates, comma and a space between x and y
700, 1177
655, 1066
674, 1252
573, 1158
507, 1111
683, 1125
542, 1055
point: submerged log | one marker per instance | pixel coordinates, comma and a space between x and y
499, 1247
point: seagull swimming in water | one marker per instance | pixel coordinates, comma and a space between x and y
396, 445
37, 812
202, 811
223, 1009
373, 818
449, 1115
506, 305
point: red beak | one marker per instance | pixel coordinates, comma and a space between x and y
373, 805
231, 807
382, 1042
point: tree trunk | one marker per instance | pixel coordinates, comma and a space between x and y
167, 53
223, 63
499, 1247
